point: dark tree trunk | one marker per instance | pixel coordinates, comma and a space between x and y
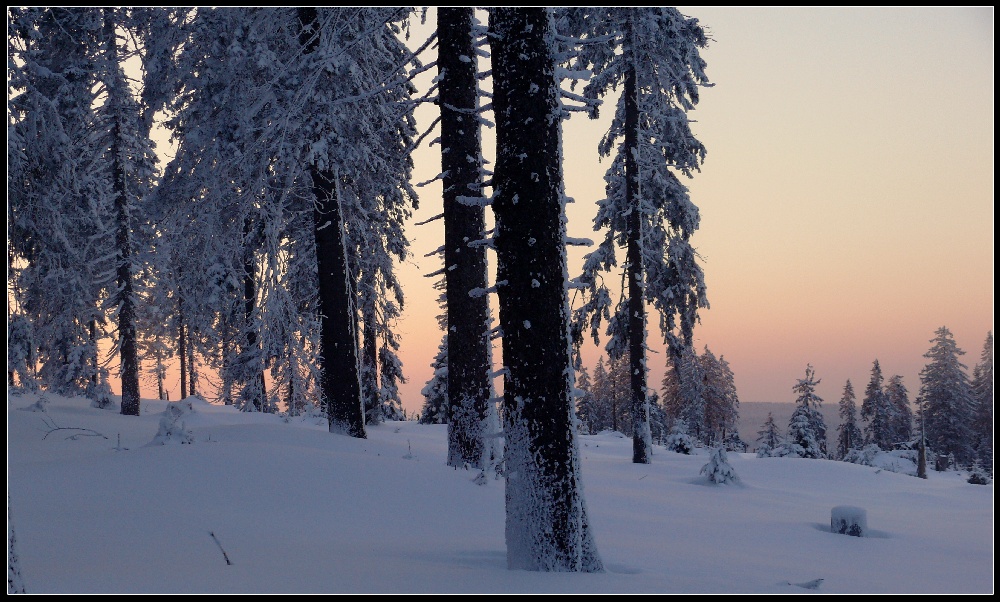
369, 363
227, 381
123, 239
95, 368
338, 344
182, 343
469, 381
160, 394
256, 380
641, 438
547, 527
192, 374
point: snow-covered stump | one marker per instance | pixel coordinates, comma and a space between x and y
849, 520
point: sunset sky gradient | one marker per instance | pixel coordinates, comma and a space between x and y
846, 198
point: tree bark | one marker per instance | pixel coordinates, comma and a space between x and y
256, 380
338, 343
369, 362
469, 383
547, 527
182, 343
127, 347
642, 442
192, 374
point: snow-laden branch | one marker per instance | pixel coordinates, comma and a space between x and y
474, 201
479, 292
440, 176
437, 251
431, 219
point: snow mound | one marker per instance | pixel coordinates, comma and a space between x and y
38, 406
903, 461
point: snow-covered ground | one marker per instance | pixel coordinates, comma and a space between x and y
298, 510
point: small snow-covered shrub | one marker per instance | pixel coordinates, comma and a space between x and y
718, 470
903, 461
864, 456
785, 450
678, 440
39, 406
172, 429
979, 476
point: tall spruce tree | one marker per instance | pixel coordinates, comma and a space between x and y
357, 127
131, 164
547, 527
901, 415
721, 400
611, 396
848, 434
806, 427
60, 247
768, 437
982, 395
877, 411
652, 53
945, 399
340, 382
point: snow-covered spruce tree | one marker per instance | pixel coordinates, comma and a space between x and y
982, 395
20, 355
658, 420
131, 163
211, 198
435, 392
691, 398
806, 427
901, 425
945, 399
718, 470
547, 527
721, 400
848, 434
612, 395
155, 339
599, 416
291, 326
653, 54
377, 237
584, 395
470, 387
876, 410
768, 438
58, 251
678, 440
356, 131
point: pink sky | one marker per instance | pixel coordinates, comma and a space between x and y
846, 199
